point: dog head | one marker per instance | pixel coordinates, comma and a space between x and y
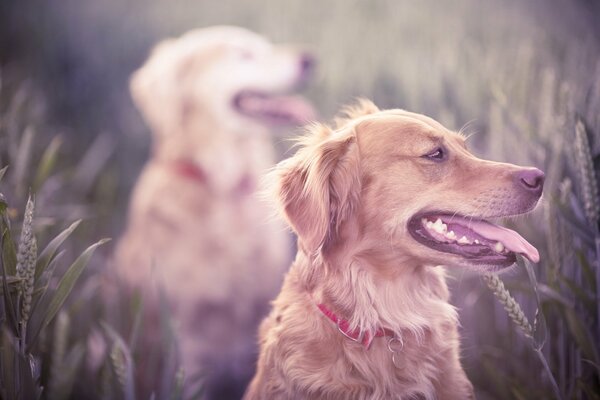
228, 75
401, 184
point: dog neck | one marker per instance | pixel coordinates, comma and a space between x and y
370, 298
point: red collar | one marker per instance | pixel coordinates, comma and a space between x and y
189, 170
193, 171
356, 335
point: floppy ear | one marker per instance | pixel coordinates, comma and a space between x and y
156, 86
319, 187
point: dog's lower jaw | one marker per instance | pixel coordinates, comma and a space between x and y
304, 356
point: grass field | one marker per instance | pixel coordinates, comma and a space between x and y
522, 77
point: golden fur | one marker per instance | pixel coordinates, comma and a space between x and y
349, 193
210, 241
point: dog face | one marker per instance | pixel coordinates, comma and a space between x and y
229, 74
402, 183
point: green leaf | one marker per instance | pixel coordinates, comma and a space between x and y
517, 394
16, 377
581, 335
9, 254
582, 231
48, 253
47, 163
49, 271
65, 286
63, 381
3, 206
9, 356
9, 306
590, 392
579, 292
137, 311
41, 293
586, 269
13, 281
552, 294
2, 172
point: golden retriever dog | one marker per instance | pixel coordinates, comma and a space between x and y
378, 202
212, 98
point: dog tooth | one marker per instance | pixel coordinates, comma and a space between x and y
440, 229
424, 221
464, 240
498, 247
476, 241
451, 235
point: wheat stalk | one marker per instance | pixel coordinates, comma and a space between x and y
515, 313
510, 304
117, 359
587, 175
26, 258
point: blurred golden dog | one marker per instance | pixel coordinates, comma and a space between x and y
195, 223
377, 202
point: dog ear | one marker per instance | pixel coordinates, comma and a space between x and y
360, 109
155, 87
319, 187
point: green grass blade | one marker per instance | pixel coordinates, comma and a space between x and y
3, 207
586, 268
68, 280
581, 335
137, 310
48, 253
9, 357
9, 254
10, 309
580, 293
3, 172
65, 286
41, 294
47, 163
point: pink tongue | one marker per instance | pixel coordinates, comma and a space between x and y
509, 238
295, 108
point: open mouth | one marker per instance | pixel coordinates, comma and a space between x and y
277, 109
478, 241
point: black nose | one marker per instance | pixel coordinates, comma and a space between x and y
307, 63
531, 179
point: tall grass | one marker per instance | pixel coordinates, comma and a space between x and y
60, 337
527, 74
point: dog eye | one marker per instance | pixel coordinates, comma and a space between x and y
439, 154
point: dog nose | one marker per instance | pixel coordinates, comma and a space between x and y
531, 180
307, 63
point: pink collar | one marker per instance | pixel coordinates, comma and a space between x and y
356, 335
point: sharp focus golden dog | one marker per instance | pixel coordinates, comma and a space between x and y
211, 99
378, 202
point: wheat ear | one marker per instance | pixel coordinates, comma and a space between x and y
587, 175
26, 258
510, 304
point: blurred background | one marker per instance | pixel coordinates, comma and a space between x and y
522, 76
